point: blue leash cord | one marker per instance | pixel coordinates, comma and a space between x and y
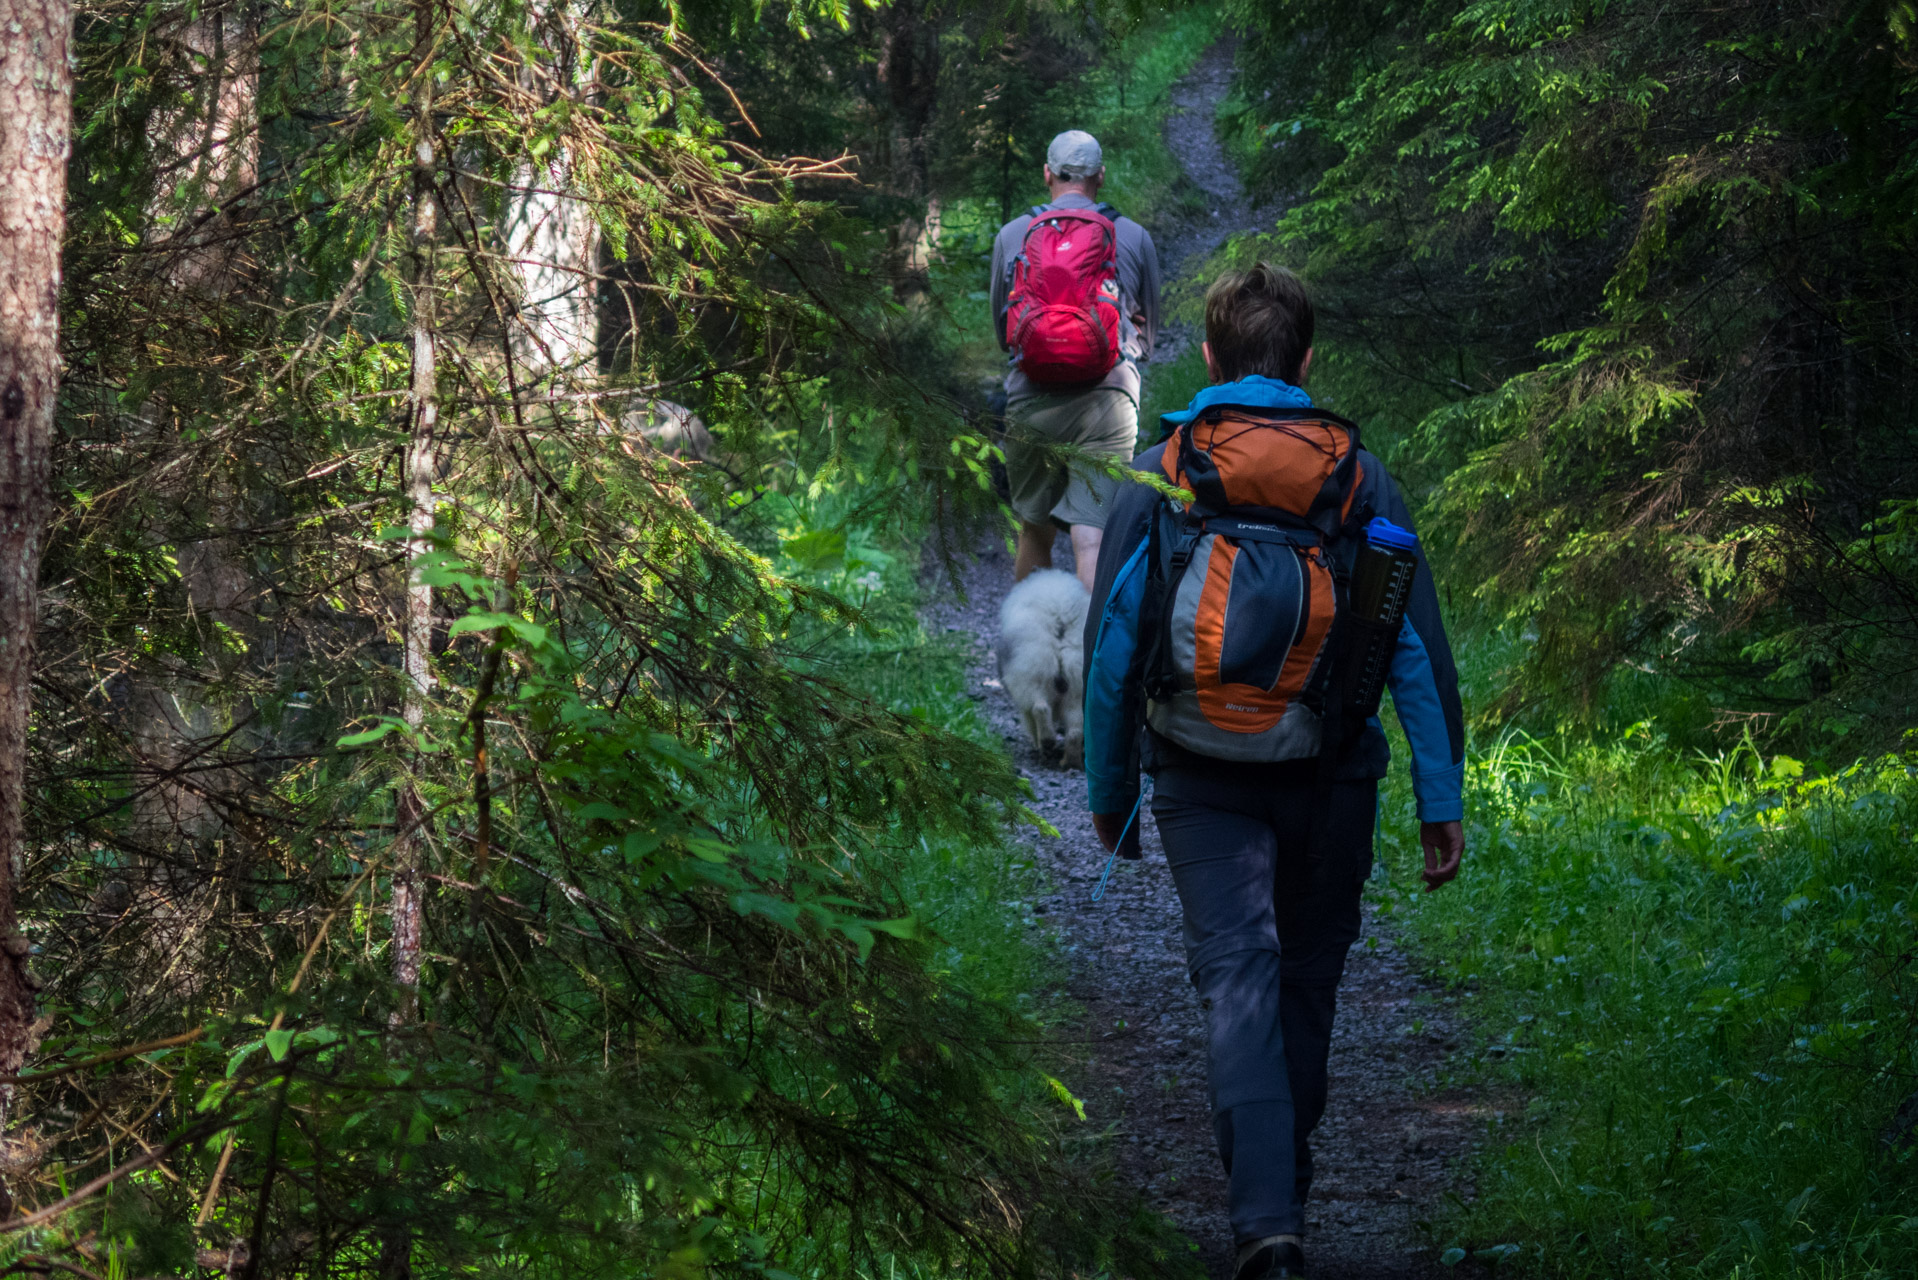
1113, 857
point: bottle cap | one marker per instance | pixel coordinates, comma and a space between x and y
1386, 534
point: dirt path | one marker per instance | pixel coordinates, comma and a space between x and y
1390, 1143
1190, 135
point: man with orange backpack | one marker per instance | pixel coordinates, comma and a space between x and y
1075, 298
1236, 649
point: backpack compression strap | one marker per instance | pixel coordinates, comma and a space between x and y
1041, 213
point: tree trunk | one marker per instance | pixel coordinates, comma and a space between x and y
36, 106
554, 243
416, 670
205, 153
908, 71
552, 238
408, 903
920, 252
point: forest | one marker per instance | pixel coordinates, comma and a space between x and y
485, 786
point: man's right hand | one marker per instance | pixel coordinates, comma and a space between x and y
1109, 827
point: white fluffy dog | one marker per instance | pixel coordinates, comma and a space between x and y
1042, 659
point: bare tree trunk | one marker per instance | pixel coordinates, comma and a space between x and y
205, 153
552, 238
36, 111
416, 669
920, 252
182, 719
554, 243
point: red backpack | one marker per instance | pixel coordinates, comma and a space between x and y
1062, 318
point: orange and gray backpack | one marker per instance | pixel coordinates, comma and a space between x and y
1245, 586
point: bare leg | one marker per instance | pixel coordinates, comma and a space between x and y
1035, 549
1085, 551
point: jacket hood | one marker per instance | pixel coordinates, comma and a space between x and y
1251, 392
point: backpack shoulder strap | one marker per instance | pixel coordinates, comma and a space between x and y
1303, 413
1171, 538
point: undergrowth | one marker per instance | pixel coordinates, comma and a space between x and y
956, 886
824, 528
1688, 975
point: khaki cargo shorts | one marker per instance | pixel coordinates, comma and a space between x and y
1102, 421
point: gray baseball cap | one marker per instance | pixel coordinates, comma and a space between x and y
1075, 154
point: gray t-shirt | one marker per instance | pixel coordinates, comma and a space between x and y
1138, 297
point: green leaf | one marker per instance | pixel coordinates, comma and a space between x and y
1065, 1095
905, 927
367, 737
237, 1058
861, 938
707, 850
277, 1043
479, 620
819, 550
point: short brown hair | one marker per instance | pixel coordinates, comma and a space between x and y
1258, 321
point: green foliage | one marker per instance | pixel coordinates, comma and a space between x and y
1171, 388
1631, 285
1614, 279
1125, 99
705, 847
1624, 291
1689, 982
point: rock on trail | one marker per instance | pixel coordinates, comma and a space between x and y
1391, 1142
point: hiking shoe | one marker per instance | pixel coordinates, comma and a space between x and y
1281, 1261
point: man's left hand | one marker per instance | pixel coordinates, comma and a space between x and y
1444, 845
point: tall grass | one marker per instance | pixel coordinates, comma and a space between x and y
1689, 975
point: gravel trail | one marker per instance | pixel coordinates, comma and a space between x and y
1190, 135
1392, 1141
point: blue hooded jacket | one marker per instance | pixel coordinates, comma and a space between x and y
1423, 679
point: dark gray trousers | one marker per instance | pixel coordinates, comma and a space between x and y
1265, 946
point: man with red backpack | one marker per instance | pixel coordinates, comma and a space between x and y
1236, 649
1075, 296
